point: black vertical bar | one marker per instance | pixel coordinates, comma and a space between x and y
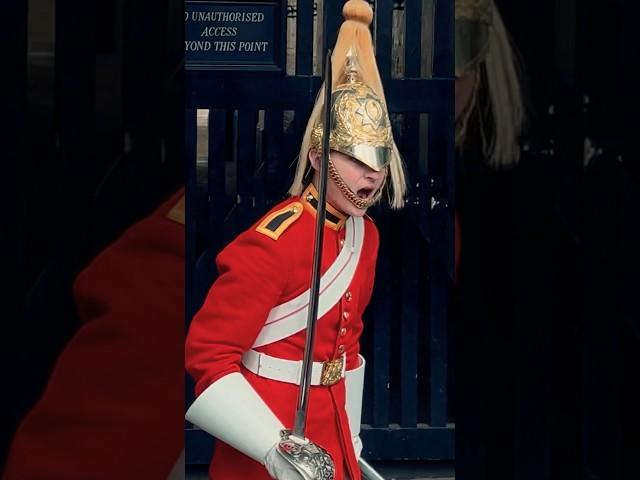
440, 253
246, 159
75, 115
604, 364
190, 157
413, 22
304, 38
13, 102
409, 258
144, 76
565, 45
275, 165
382, 311
383, 17
444, 13
304, 56
409, 330
440, 155
216, 176
412, 44
191, 303
332, 20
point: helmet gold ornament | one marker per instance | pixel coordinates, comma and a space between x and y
360, 125
360, 122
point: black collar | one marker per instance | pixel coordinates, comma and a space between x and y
334, 218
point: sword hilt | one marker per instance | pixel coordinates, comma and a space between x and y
311, 461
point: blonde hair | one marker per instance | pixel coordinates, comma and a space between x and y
354, 35
501, 75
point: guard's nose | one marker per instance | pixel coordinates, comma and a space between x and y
373, 175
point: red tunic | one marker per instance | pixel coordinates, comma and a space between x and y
113, 407
257, 273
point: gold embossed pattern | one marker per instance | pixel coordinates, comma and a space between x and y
331, 372
358, 117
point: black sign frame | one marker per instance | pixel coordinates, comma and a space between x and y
275, 34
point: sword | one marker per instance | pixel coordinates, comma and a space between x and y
311, 461
312, 318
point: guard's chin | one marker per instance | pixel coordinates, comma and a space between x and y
358, 212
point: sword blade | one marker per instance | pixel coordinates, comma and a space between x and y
368, 472
307, 362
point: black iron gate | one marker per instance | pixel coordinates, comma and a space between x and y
242, 133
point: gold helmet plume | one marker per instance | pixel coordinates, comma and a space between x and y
473, 30
360, 119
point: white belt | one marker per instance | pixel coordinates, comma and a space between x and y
322, 373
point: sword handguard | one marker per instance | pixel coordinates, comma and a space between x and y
311, 461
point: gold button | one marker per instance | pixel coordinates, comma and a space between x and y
309, 197
343, 332
295, 209
340, 348
345, 315
348, 296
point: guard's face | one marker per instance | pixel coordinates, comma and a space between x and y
361, 179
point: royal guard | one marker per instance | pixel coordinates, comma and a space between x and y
247, 345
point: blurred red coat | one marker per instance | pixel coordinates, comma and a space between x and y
113, 407
256, 274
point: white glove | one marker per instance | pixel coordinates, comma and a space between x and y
222, 410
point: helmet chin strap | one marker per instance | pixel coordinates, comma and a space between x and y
349, 194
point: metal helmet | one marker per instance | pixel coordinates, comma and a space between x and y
360, 124
360, 119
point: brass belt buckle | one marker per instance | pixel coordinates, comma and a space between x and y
331, 371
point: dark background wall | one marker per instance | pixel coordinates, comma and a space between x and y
91, 141
546, 331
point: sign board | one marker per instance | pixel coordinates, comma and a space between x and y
223, 35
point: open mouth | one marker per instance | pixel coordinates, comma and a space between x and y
364, 193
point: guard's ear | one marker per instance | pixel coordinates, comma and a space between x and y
314, 158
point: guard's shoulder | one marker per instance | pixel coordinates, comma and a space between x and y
278, 220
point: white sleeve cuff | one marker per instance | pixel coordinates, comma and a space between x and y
233, 412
